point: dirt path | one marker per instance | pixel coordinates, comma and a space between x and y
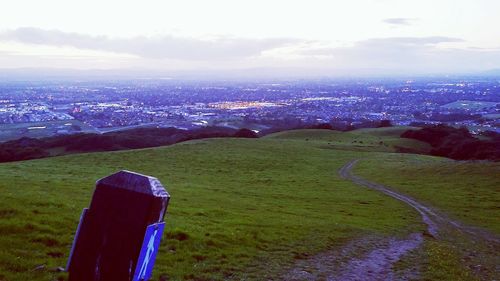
433, 220
373, 258
365, 258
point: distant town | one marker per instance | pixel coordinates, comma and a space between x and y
39, 109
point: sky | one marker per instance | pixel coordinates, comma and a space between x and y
329, 37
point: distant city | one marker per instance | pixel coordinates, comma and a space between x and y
39, 109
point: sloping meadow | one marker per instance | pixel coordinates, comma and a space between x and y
240, 208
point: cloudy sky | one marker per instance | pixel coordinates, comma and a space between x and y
315, 36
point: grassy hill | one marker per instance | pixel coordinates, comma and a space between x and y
368, 140
240, 208
467, 191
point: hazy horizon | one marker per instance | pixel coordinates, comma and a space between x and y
283, 38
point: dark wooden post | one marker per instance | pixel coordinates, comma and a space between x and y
118, 235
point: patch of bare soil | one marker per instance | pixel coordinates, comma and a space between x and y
367, 258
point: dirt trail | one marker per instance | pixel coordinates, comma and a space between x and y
377, 264
377, 257
354, 262
433, 220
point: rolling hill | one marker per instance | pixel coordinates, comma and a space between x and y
248, 208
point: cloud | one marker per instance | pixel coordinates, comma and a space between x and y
389, 46
399, 21
409, 41
150, 47
409, 54
434, 54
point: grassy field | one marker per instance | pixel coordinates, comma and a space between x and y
367, 140
240, 208
465, 191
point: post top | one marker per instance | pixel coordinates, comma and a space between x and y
134, 182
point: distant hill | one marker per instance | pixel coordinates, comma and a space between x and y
35, 145
30, 148
376, 139
368, 139
246, 208
440, 141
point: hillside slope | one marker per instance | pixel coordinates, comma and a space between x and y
368, 140
240, 208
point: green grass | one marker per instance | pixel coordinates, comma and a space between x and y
443, 262
368, 140
466, 190
240, 208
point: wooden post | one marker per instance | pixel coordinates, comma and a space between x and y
118, 235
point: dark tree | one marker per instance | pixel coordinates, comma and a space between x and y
385, 123
245, 133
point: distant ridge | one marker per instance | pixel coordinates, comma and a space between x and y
261, 74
